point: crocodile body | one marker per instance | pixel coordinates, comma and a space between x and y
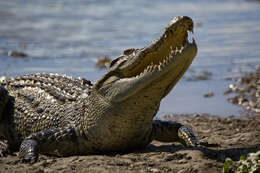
60, 115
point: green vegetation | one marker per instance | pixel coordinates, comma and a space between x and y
249, 164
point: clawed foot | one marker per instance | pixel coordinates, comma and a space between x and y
188, 138
28, 151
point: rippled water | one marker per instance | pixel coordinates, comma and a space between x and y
66, 36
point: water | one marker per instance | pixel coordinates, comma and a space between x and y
65, 37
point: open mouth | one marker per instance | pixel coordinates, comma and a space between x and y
164, 62
161, 52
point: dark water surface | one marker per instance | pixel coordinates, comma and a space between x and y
66, 37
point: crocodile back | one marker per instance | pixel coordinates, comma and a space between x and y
42, 101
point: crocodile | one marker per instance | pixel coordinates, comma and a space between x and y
63, 116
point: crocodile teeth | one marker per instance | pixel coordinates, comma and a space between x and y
158, 67
172, 53
182, 48
163, 61
154, 67
149, 68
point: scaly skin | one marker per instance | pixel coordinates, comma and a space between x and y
60, 115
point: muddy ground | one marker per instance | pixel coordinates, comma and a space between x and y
235, 136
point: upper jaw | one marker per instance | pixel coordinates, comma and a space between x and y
173, 40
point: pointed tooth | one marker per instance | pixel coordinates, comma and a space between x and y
160, 67
165, 63
170, 58
150, 68
181, 49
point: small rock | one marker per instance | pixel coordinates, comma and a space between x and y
155, 170
17, 54
207, 95
3, 79
199, 75
247, 90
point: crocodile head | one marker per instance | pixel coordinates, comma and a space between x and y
125, 100
152, 70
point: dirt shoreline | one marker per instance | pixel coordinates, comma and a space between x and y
236, 136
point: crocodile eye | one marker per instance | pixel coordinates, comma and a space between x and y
129, 51
119, 60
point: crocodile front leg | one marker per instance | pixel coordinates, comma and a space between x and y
56, 141
168, 131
